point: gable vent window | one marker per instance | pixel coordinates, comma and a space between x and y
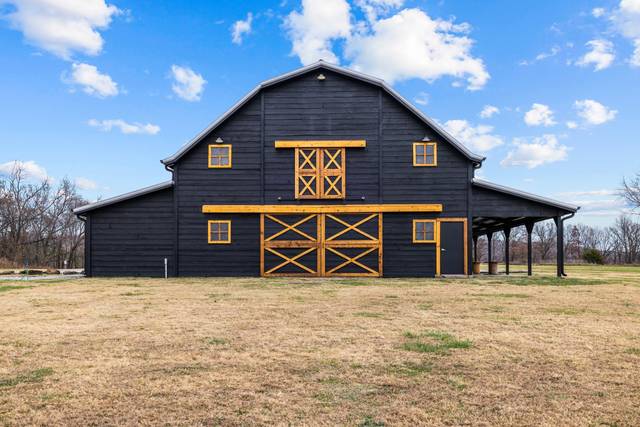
425, 154
219, 156
424, 231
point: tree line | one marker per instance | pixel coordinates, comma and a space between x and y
38, 228
37, 224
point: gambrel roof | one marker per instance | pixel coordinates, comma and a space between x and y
337, 69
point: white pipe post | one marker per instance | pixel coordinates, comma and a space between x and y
165, 269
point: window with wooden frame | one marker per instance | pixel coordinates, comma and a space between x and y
320, 173
425, 154
424, 231
219, 231
219, 156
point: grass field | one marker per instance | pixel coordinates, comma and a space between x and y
360, 352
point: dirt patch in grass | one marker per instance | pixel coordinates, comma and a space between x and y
221, 351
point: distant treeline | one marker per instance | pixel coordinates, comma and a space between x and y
38, 228
617, 244
37, 225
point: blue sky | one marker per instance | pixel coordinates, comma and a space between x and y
99, 91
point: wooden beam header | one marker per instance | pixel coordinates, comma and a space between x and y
360, 143
298, 209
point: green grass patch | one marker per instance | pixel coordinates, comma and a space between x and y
633, 350
369, 421
353, 283
132, 294
505, 295
410, 369
7, 288
551, 281
29, 377
433, 342
216, 341
456, 383
368, 314
425, 306
566, 311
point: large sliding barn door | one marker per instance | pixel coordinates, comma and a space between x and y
321, 245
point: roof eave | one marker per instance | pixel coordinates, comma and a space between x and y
122, 197
523, 194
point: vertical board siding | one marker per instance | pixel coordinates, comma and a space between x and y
133, 237
446, 183
402, 257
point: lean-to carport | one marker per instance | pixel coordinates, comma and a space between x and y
500, 209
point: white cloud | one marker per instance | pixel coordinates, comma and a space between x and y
430, 49
600, 207
63, 27
313, 31
489, 111
598, 12
93, 82
572, 125
601, 55
635, 59
30, 169
409, 44
187, 84
85, 183
593, 112
477, 138
124, 127
541, 150
422, 98
627, 18
374, 8
241, 28
542, 56
539, 115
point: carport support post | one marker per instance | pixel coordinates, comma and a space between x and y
507, 235
475, 248
529, 226
489, 248
559, 246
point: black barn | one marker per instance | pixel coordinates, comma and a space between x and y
319, 172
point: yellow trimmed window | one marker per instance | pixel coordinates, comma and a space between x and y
219, 231
425, 154
424, 231
219, 156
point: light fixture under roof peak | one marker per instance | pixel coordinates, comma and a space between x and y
321, 77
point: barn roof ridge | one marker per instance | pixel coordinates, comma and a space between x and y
525, 195
338, 69
122, 197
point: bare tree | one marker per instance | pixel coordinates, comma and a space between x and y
37, 224
545, 234
631, 190
626, 236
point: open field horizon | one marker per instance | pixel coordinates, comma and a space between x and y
491, 350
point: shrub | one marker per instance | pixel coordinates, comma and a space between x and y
593, 256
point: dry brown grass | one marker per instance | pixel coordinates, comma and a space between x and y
323, 352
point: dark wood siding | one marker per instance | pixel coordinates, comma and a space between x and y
133, 237
490, 203
402, 182
305, 108
402, 257
241, 257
